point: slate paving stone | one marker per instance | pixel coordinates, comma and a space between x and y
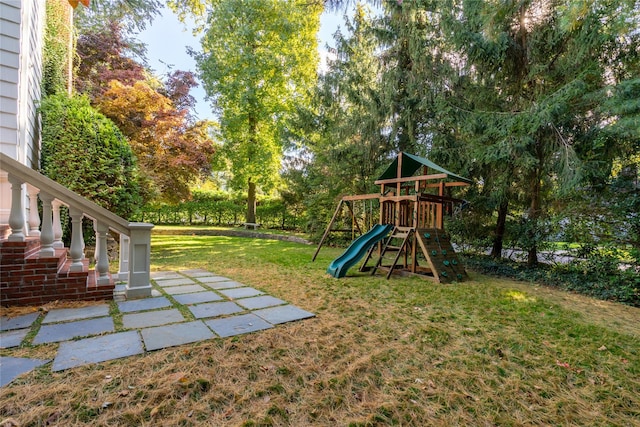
143, 314
196, 273
175, 282
151, 318
66, 314
18, 322
225, 285
215, 309
213, 279
187, 289
198, 297
283, 314
66, 331
260, 302
96, 350
143, 304
178, 334
241, 292
164, 275
236, 325
13, 338
13, 367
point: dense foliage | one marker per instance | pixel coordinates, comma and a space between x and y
133, 15
172, 149
103, 56
85, 151
172, 153
57, 52
258, 63
224, 209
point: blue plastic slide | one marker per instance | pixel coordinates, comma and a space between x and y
357, 249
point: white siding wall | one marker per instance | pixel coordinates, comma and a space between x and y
30, 80
21, 39
9, 75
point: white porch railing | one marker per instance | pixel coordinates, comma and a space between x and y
135, 237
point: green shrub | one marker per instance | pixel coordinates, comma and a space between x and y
221, 208
85, 151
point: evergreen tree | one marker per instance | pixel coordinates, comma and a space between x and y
533, 78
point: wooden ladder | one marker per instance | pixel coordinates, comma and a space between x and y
403, 233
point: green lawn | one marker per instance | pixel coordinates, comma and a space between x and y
404, 351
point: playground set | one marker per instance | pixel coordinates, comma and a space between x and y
410, 236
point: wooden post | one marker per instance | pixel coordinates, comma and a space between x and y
398, 189
382, 210
440, 213
326, 232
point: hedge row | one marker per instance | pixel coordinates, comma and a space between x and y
208, 208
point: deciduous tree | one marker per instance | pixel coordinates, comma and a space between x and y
258, 61
171, 152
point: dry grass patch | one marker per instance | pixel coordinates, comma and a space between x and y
397, 352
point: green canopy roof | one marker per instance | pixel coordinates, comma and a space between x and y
412, 163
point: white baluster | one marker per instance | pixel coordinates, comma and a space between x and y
123, 273
16, 215
57, 225
34, 218
102, 255
77, 240
46, 236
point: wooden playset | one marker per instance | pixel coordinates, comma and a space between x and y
412, 200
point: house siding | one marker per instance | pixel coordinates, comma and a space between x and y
21, 38
9, 66
21, 41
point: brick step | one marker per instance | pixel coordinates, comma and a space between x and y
101, 291
55, 262
26, 278
16, 252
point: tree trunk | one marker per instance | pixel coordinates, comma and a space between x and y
534, 214
251, 203
498, 238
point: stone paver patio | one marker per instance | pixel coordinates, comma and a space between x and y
187, 307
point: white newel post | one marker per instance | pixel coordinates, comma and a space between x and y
34, 218
77, 240
123, 273
57, 225
16, 215
139, 285
46, 235
102, 255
